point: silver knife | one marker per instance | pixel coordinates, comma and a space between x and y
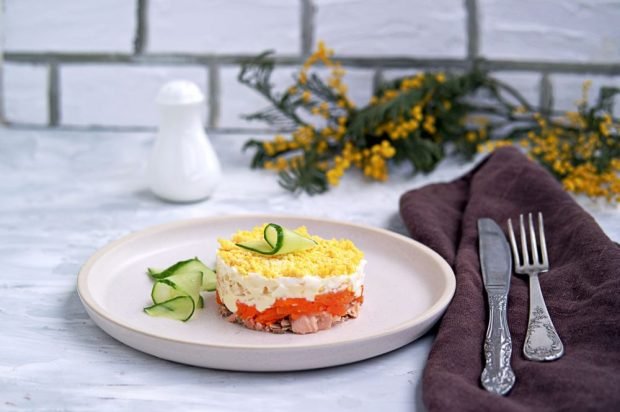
496, 264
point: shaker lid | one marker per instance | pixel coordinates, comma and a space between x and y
179, 92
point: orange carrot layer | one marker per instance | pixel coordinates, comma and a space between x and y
336, 303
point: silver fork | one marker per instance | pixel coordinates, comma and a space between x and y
542, 342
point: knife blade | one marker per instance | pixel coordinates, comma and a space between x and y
496, 264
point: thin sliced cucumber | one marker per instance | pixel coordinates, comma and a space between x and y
183, 279
185, 283
208, 280
293, 242
188, 282
180, 308
258, 246
189, 265
278, 241
164, 290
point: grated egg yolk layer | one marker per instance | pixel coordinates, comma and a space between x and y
333, 257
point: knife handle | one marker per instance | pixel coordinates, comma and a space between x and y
497, 376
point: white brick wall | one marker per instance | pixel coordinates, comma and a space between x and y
69, 25
567, 90
527, 84
573, 30
224, 26
389, 75
393, 28
107, 78
117, 94
25, 93
236, 99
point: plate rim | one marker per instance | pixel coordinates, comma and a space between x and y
91, 305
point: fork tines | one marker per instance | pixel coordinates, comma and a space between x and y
527, 264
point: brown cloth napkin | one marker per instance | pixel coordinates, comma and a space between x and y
582, 292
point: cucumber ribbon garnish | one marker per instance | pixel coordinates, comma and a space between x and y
176, 292
278, 241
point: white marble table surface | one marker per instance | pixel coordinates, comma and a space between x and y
64, 194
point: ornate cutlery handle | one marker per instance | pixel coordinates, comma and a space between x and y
497, 375
542, 342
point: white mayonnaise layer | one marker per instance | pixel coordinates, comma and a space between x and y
257, 290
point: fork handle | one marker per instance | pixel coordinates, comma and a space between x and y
542, 342
497, 376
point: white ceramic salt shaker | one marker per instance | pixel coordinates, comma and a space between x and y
183, 166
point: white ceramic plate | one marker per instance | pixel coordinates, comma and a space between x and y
408, 286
